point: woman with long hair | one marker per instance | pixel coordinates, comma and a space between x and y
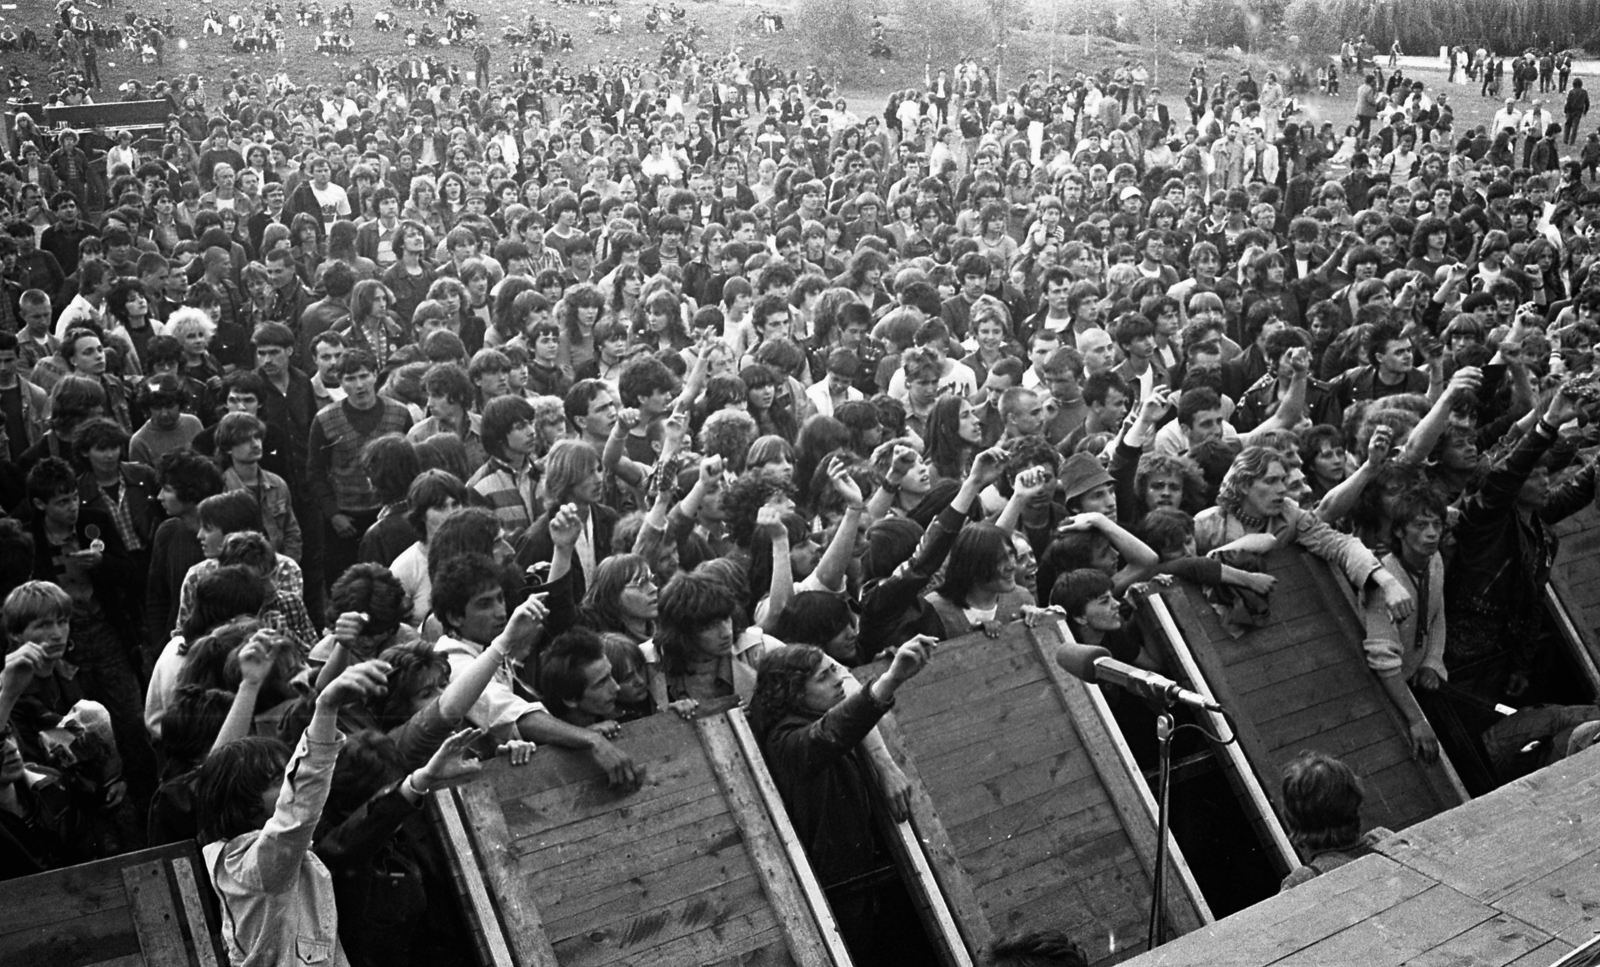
422, 207
370, 324
622, 599
1430, 245
772, 415
452, 203
979, 588
658, 325
627, 285
306, 244
954, 437
581, 307
863, 275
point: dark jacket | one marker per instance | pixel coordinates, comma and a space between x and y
1503, 557
1260, 402
112, 579
144, 506
535, 545
176, 549
824, 779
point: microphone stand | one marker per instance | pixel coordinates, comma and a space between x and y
1164, 728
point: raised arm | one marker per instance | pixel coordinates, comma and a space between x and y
272, 862
466, 684
1342, 499
1023, 490
901, 464
1139, 561
255, 664
1292, 407
613, 458
830, 570
1420, 444
770, 522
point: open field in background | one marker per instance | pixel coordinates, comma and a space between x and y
731, 27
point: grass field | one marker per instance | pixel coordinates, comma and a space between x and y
731, 26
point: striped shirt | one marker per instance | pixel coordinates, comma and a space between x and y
509, 492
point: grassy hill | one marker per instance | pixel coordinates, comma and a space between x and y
729, 27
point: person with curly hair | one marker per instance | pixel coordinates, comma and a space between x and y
811, 721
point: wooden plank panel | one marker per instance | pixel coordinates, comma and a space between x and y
155, 917
1546, 955
1118, 772
1011, 715
1265, 670
1299, 919
95, 913
1162, 633
583, 835
1025, 812
1503, 842
720, 920
1496, 942
630, 891
59, 895
777, 814
666, 840
800, 934
1330, 693
207, 945
1072, 809
1067, 843
1395, 935
524, 928
939, 845
1006, 777
531, 810
686, 870
86, 939
494, 949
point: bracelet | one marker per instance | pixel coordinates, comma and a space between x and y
890, 488
411, 781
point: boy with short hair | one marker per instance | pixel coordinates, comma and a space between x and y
168, 428
545, 375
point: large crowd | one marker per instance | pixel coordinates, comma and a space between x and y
354, 432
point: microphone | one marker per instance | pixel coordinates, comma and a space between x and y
1094, 664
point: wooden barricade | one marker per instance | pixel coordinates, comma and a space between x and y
1026, 801
1574, 591
1302, 682
153, 908
695, 868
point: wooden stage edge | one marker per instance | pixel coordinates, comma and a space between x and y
1512, 878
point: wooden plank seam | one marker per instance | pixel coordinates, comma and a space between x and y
1267, 819
779, 881
155, 919
821, 913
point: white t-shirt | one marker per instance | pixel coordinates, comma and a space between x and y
958, 380
411, 570
977, 615
333, 201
